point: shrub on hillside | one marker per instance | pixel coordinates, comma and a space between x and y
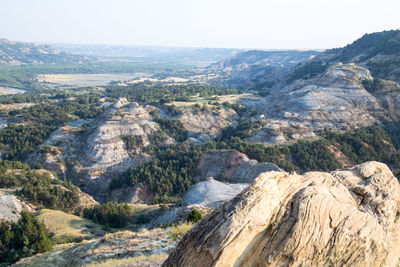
24, 238
194, 216
111, 214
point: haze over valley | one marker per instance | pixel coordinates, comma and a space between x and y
179, 153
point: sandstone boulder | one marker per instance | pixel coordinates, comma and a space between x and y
342, 218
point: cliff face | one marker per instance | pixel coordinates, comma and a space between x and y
343, 218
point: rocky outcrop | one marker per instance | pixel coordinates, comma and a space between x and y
206, 125
106, 154
119, 245
131, 194
94, 155
211, 193
335, 99
11, 207
106, 146
234, 172
232, 166
342, 218
100, 152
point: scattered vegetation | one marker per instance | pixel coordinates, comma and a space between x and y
370, 45
314, 156
37, 188
133, 141
239, 109
157, 140
243, 129
308, 70
177, 232
33, 125
386, 43
169, 174
23, 98
373, 85
365, 144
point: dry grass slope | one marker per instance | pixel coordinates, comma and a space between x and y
67, 227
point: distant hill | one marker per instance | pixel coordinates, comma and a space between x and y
379, 52
151, 54
257, 69
21, 53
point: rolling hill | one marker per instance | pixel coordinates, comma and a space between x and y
256, 69
379, 52
21, 53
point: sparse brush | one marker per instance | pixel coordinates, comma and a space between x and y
177, 232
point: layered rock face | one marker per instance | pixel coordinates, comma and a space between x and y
335, 99
206, 125
342, 218
234, 171
102, 151
105, 146
232, 166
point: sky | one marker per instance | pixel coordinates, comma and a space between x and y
263, 24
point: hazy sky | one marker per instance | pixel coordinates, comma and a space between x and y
268, 24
